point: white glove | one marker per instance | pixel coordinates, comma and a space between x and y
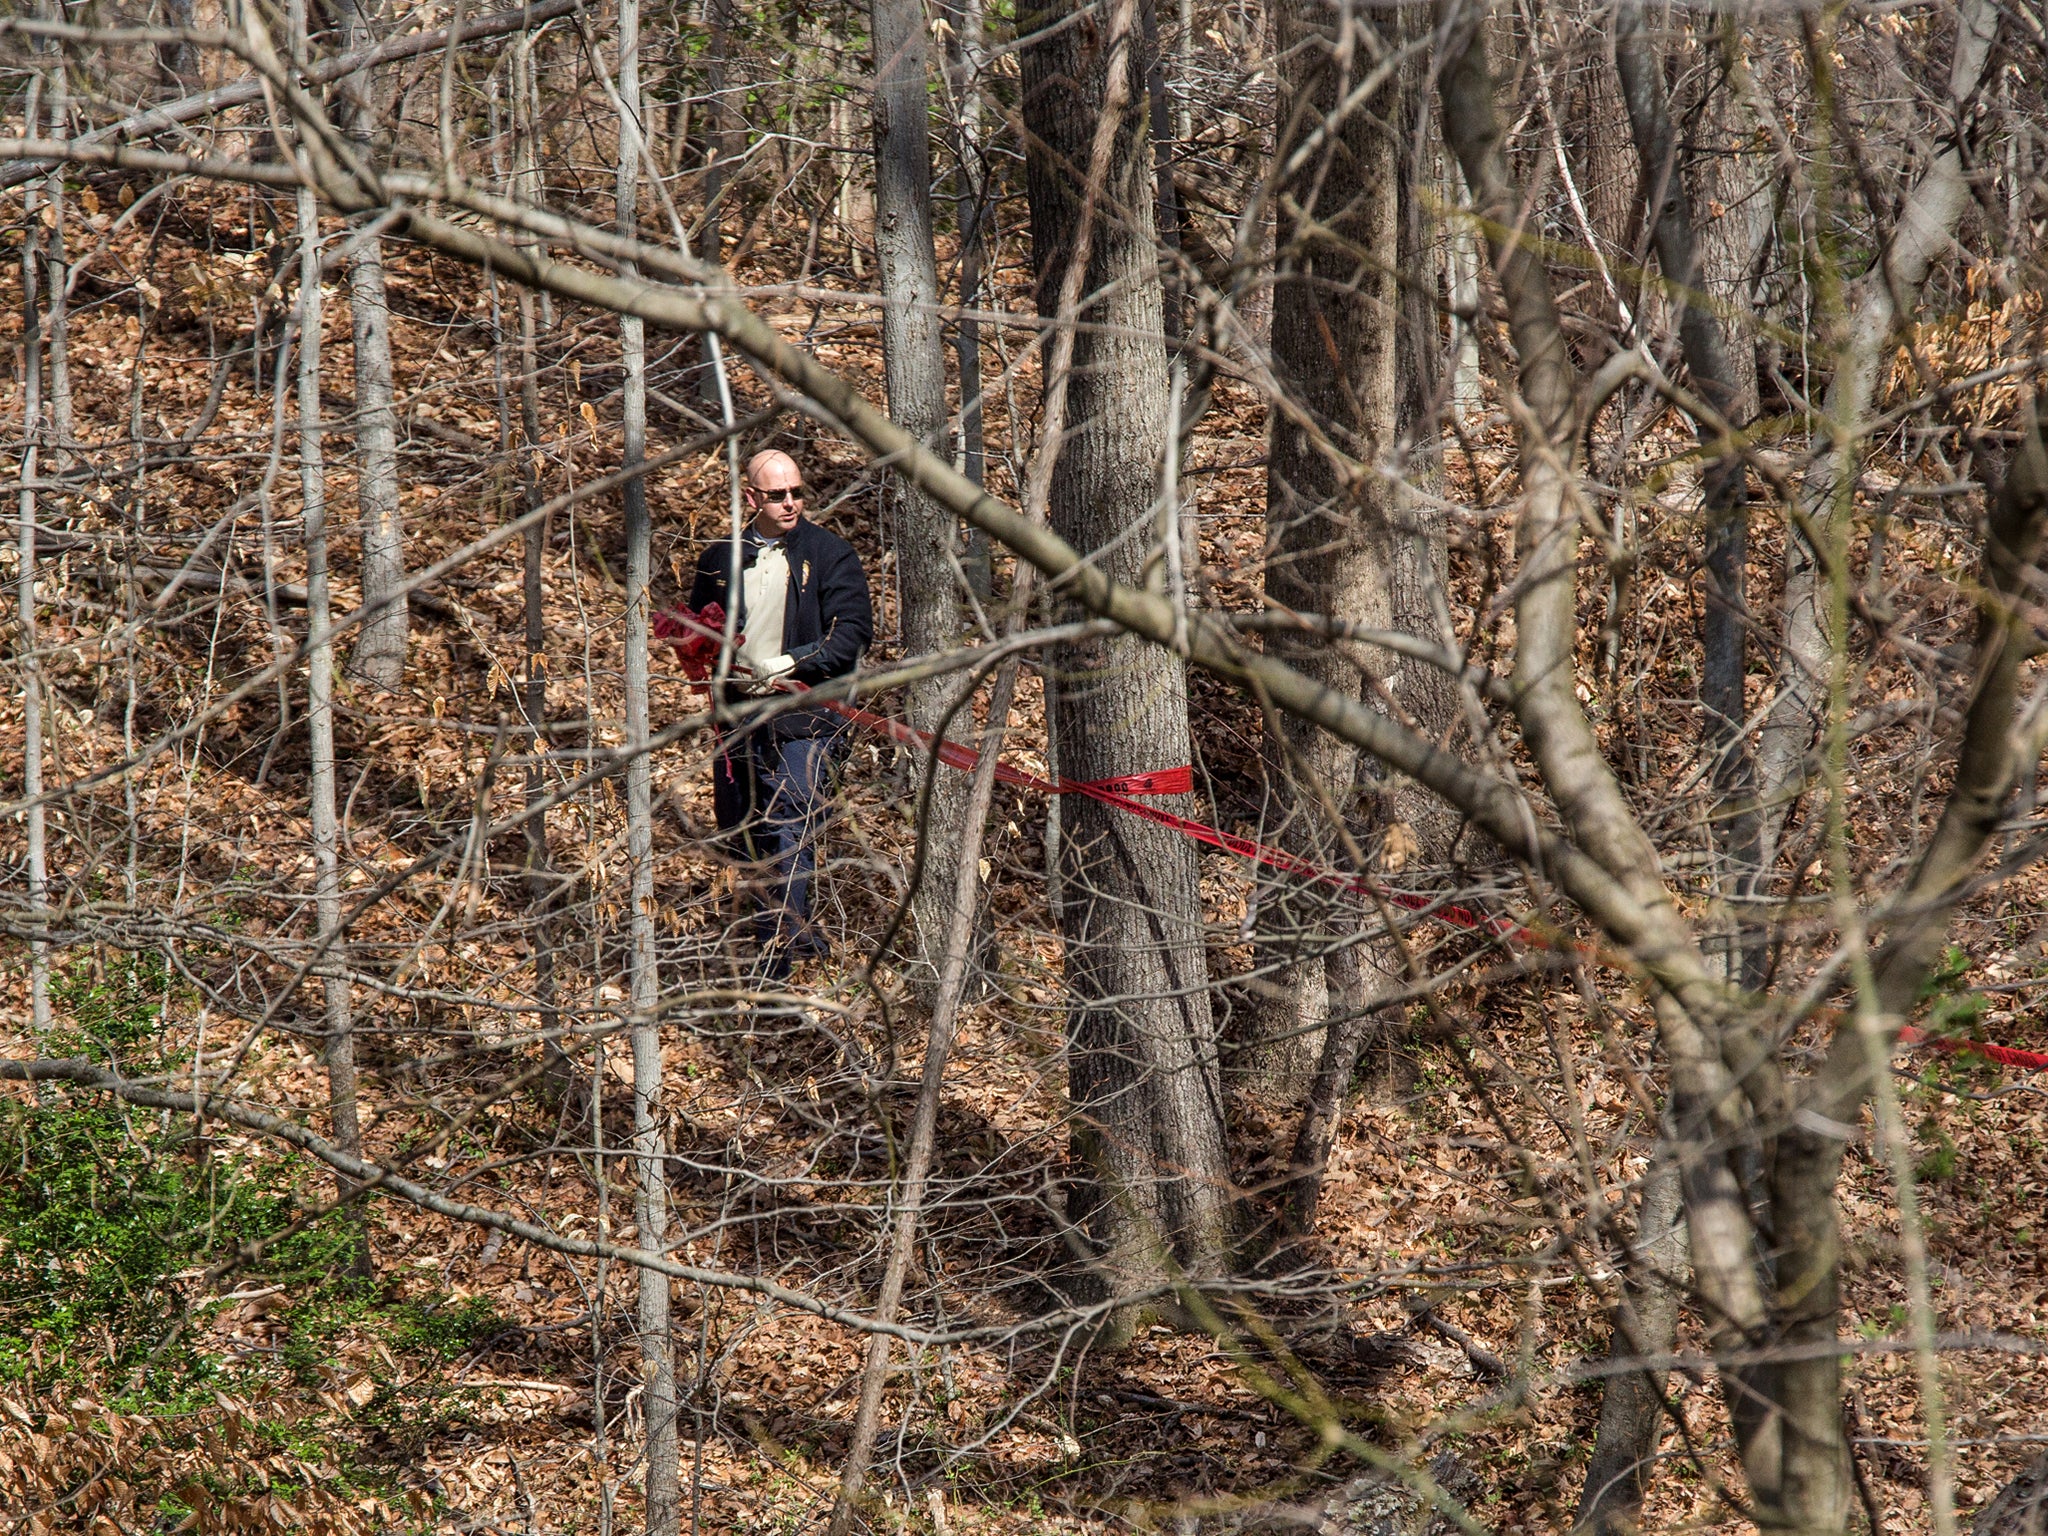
761, 673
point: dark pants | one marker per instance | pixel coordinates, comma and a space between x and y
771, 796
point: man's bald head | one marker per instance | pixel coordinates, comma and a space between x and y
772, 459
775, 492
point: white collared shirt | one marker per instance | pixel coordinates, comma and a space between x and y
767, 599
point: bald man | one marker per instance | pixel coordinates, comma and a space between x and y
804, 615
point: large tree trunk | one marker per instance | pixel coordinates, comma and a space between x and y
1331, 539
914, 360
379, 655
1142, 1062
650, 1206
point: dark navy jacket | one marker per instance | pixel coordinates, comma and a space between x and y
827, 618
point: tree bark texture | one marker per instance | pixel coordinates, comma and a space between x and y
1589, 800
57, 340
1632, 1419
965, 50
725, 143
1142, 1054
1166, 210
1330, 520
179, 61
1731, 182
914, 362
1419, 595
339, 1048
650, 1206
379, 655
1597, 149
32, 434
1724, 510
541, 884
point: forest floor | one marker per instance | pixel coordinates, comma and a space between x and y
144, 1380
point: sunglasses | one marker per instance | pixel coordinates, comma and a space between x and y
794, 493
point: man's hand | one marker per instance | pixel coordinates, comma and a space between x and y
767, 671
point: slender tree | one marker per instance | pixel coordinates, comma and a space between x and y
914, 362
657, 1347
338, 1023
32, 436
379, 655
339, 1045
1644, 1325
1142, 1068
966, 47
724, 140
917, 1164
57, 328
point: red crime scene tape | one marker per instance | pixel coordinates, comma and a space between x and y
697, 637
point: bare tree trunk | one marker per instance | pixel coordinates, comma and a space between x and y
58, 340
914, 361
1420, 583
1329, 515
533, 689
1774, 1296
1731, 176
32, 432
1322, 1112
1597, 143
962, 901
178, 60
379, 655
1632, 1417
1142, 1067
1166, 195
964, 53
339, 1046
724, 144
657, 1349
1724, 509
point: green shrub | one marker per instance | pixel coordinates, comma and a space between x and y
101, 1212
446, 1326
